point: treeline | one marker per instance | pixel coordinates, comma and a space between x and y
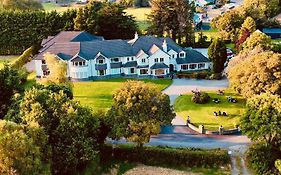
21, 29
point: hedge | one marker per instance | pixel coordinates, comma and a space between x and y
23, 58
166, 156
196, 75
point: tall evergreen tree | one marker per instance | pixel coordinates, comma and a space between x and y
217, 54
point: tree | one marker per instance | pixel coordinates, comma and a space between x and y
278, 162
72, 130
261, 8
217, 54
257, 74
262, 119
138, 111
20, 151
257, 39
249, 24
228, 24
11, 81
243, 37
57, 68
172, 17
20, 5
113, 23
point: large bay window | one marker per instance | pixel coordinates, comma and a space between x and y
144, 71
201, 66
159, 72
192, 66
184, 67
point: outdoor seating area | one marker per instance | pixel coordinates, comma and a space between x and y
220, 113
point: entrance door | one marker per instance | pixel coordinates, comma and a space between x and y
172, 69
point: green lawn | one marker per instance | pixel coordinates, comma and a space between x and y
204, 113
98, 94
47, 6
141, 16
6, 59
212, 33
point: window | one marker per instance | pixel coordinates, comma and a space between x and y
173, 56
184, 67
156, 60
159, 72
101, 72
43, 62
132, 58
114, 59
143, 60
128, 59
79, 63
100, 61
201, 66
144, 71
132, 70
161, 60
46, 72
192, 66
181, 55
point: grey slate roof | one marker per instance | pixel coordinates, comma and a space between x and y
192, 56
116, 65
146, 42
85, 36
130, 64
109, 48
142, 66
159, 66
64, 56
101, 66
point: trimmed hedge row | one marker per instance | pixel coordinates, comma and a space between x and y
25, 57
196, 75
155, 156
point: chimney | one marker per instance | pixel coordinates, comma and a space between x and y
136, 36
164, 45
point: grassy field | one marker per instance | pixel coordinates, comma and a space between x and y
6, 59
212, 33
51, 6
98, 94
204, 113
141, 16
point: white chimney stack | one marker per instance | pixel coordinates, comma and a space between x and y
136, 36
164, 45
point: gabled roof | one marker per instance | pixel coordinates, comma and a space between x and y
192, 56
159, 66
64, 50
85, 36
77, 59
146, 42
109, 48
130, 64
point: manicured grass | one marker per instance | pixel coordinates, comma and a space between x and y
31, 80
6, 59
54, 7
212, 33
98, 94
204, 113
141, 16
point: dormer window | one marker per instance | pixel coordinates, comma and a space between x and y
143, 60
79, 63
100, 61
156, 60
114, 60
181, 55
161, 60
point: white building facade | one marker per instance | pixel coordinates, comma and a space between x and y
144, 56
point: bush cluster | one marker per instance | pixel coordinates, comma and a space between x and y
166, 156
200, 98
196, 75
261, 158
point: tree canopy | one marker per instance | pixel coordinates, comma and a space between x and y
249, 24
217, 54
138, 111
256, 74
72, 130
20, 5
20, 150
262, 119
261, 8
257, 39
174, 18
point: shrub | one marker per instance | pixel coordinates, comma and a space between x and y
261, 158
23, 59
215, 76
200, 97
196, 75
166, 156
